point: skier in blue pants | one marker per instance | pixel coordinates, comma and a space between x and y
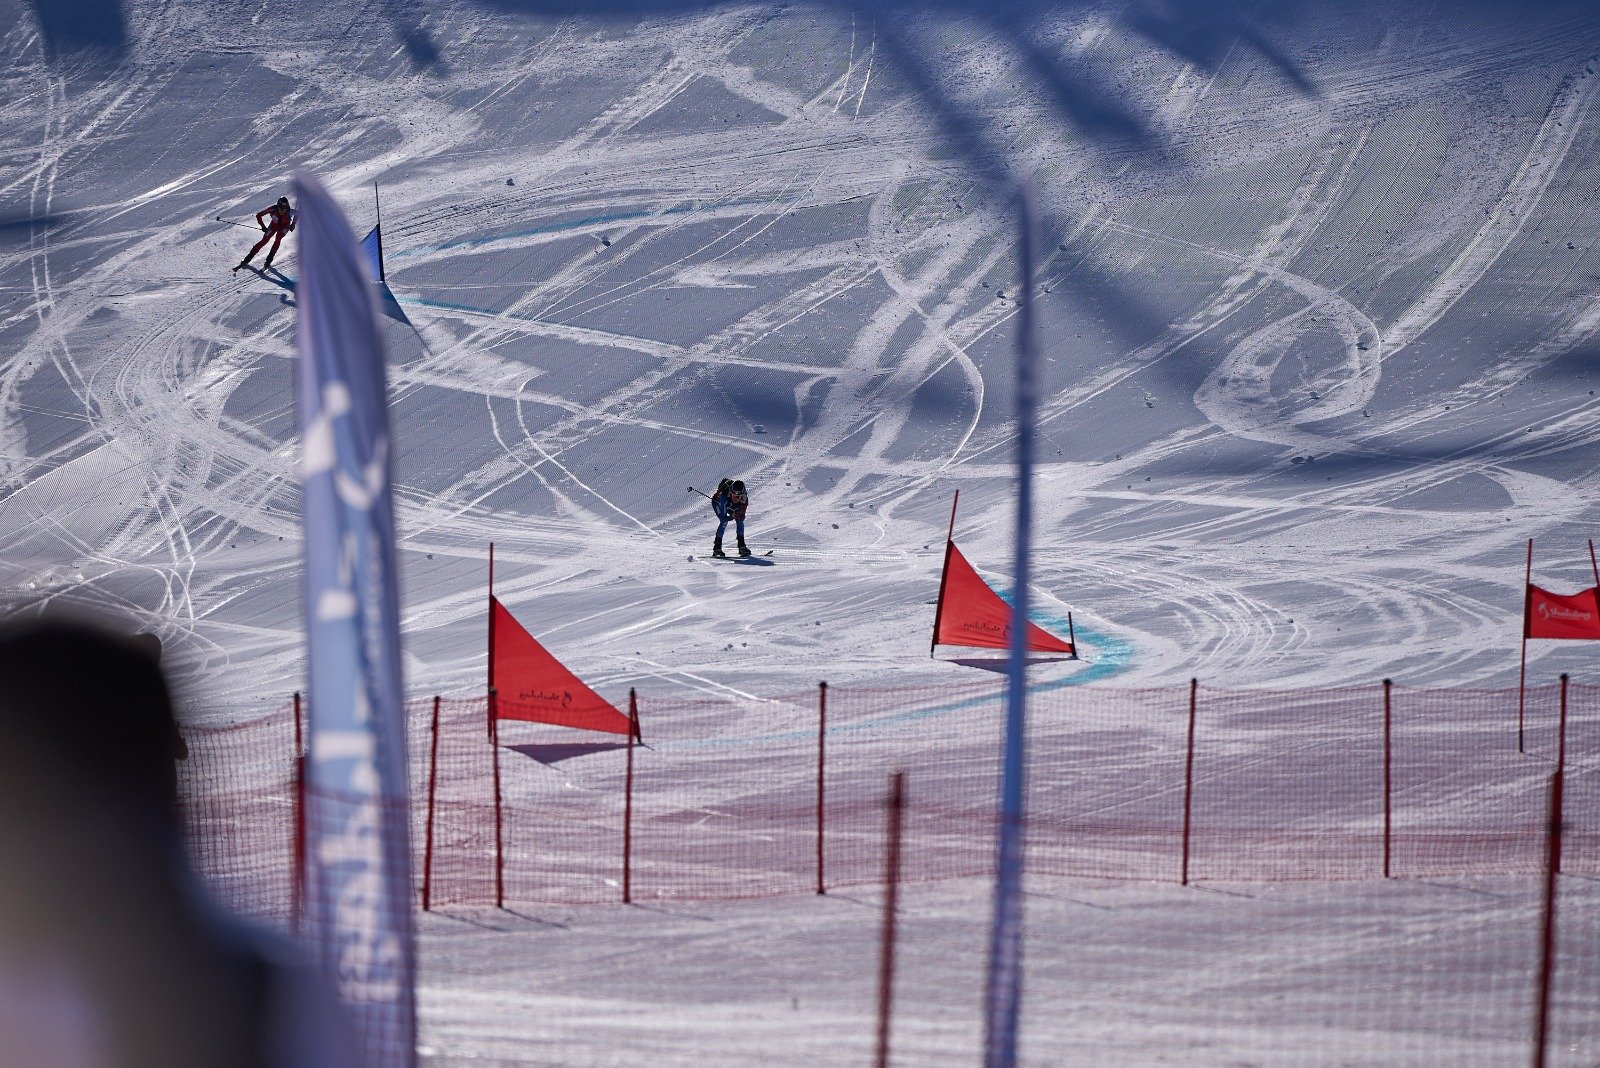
730, 502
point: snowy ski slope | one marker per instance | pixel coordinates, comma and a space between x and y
1319, 331
1321, 319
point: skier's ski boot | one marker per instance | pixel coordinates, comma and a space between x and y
242, 265
744, 550
716, 550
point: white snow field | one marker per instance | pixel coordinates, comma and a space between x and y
1373, 973
1320, 330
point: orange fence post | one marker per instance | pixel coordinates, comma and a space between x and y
822, 762
1388, 752
891, 902
297, 890
433, 787
627, 802
1561, 760
499, 834
1547, 935
1188, 784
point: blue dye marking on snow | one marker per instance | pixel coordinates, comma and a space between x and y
1112, 656
551, 228
575, 224
445, 305
388, 294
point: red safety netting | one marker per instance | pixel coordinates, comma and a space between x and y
373, 978
1322, 963
238, 792
1283, 785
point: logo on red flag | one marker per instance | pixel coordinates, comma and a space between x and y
972, 614
1562, 615
532, 685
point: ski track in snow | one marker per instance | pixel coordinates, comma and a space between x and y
1305, 392
725, 269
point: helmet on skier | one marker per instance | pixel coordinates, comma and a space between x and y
283, 202
738, 488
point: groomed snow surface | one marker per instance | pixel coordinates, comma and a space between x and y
1369, 973
1319, 327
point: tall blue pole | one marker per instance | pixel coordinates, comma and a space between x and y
1004, 988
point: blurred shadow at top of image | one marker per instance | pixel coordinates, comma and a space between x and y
111, 953
78, 30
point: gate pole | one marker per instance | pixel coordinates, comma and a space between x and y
1522, 674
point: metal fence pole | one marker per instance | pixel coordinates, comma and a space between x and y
433, 790
1188, 783
297, 891
891, 902
822, 764
1388, 780
1547, 933
499, 832
627, 801
1561, 761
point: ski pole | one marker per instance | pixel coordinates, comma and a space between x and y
702, 493
232, 222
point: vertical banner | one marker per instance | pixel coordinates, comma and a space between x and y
1003, 990
359, 883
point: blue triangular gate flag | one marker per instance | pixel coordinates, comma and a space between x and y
372, 249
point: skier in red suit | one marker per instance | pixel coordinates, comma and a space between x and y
282, 222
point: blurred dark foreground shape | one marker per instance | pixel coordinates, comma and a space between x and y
111, 954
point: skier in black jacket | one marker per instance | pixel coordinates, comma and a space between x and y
730, 502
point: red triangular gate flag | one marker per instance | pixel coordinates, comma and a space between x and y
1562, 615
970, 613
530, 684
